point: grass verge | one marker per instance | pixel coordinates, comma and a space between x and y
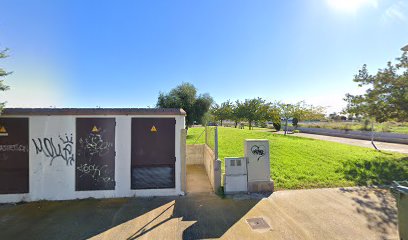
308, 163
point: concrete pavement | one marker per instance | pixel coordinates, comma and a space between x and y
349, 213
197, 179
343, 213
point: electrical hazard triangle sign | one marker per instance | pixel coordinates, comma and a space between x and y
3, 129
153, 129
95, 129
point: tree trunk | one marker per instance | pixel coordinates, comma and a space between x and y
236, 124
372, 136
250, 125
286, 126
221, 122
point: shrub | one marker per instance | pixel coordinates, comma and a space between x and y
386, 127
346, 127
295, 122
277, 126
366, 125
296, 131
263, 125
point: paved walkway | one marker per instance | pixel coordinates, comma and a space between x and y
336, 213
197, 179
393, 147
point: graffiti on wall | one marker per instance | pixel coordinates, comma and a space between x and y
258, 151
96, 172
94, 145
13, 148
56, 149
6, 149
95, 152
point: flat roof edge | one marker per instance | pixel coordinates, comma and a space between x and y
92, 111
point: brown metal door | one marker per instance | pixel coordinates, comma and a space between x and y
95, 154
153, 153
14, 155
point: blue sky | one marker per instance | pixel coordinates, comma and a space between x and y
123, 53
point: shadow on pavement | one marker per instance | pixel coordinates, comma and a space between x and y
213, 216
377, 206
205, 215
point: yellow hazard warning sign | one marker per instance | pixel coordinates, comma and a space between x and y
153, 129
3, 131
95, 129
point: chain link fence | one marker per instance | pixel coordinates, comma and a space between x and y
211, 138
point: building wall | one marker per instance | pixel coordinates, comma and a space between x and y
52, 177
213, 167
195, 154
183, 154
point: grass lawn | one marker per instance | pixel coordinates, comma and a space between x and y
308, 163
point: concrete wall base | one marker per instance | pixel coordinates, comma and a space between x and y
261, 186
201, 154
195, 154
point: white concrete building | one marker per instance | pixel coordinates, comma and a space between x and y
60, 154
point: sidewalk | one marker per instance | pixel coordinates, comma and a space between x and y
331, 213
393, 147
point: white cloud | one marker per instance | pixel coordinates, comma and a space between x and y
396, 12
351, 6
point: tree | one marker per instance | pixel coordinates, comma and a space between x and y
386, 95
288, 110
313, 113
250, 110
185, 96
295, 122
301, 111
201, 107
256, 109
3, 74
269, 112
277, 125
334, 116
237, 113
223, 111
